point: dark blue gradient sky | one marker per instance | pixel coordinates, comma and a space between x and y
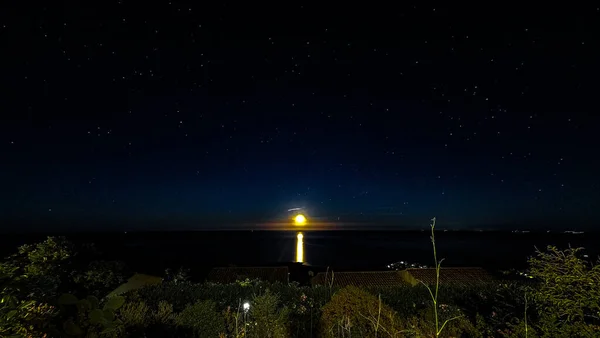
130, 115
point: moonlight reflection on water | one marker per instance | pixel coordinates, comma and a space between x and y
300, 248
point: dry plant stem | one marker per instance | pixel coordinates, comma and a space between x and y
237, 316
434, 297
378, 316
329, 283
526, 327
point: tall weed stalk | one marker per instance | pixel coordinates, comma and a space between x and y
434, 295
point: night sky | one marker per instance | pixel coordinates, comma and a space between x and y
181, 115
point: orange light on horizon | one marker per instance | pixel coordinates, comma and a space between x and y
300, 248
300, 219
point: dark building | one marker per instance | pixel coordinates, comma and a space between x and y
448, 276
359, 279
226, 275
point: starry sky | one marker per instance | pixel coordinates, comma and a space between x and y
184, 115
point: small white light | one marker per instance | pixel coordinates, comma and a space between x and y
246, 306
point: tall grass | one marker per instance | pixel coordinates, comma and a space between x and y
434, 295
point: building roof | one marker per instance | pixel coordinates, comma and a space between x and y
455, 276
136, 281
359, 279
226, 275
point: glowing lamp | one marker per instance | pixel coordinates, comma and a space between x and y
246, 306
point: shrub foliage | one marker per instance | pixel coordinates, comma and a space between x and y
48, 289
355, 312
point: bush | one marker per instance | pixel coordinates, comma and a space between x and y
24, 318
182, 275
201, 319
355, 312
183, 294
164, 313
564, 298
304, 304
561, 300
569, 286
36, 271
135, 315
101, 277
507, 308
139, 320
405, 300
235, 322
84, 317
268, 320
423, 325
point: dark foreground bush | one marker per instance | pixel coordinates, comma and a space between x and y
303, 303
268, 318
353, 312
201, 319
560, 300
